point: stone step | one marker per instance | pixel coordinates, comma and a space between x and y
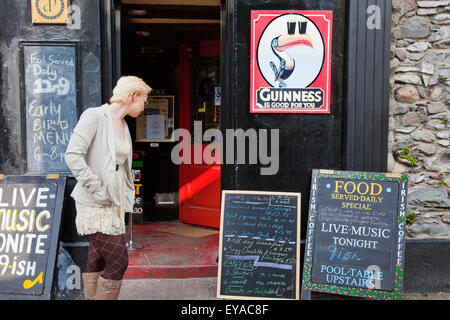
206, 289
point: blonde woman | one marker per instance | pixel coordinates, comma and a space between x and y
99, 155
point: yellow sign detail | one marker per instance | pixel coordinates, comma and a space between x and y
28, 284
52, 176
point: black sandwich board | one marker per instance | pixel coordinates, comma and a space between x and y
259, 249
30, 216
355, 240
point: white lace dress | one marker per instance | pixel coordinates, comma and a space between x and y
108, 220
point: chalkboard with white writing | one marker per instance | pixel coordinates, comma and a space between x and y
355, 239
259, 245
30, 216
49, 89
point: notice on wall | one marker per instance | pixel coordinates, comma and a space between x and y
355, 239
49, 88
156, 123
30, 215
259, 245
290, 61
155, 126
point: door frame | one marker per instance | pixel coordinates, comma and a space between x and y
111, 25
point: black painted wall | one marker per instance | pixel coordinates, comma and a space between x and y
367, 93
16, 26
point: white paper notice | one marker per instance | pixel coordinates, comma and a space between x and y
156, 128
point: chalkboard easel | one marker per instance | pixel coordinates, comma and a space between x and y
355, 240
30, 217
259, 245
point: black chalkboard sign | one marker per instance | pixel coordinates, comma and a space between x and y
49, 90
259, 245
30, 216
355, 239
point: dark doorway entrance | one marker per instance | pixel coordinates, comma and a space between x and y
156, 43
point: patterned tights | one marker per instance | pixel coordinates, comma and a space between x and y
109, 253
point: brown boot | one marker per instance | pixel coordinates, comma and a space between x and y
108, 289
90, 284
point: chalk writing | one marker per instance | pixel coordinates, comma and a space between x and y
259, 245
353, 220
373, 218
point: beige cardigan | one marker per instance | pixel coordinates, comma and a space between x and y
91, 156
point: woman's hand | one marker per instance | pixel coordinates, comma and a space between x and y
101, 196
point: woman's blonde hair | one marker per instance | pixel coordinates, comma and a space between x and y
126, 86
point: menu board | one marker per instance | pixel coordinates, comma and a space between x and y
259, 245
30, 216
355, 239
49, 86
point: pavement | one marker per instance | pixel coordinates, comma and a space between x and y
173, 250
206, 289
427, 296
178, 262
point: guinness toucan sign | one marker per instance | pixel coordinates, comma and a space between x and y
290, 61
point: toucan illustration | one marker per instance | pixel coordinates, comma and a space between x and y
280, 46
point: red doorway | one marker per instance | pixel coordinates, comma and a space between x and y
199, 190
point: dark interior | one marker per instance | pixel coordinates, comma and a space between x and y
151, 36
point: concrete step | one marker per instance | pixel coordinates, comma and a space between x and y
169, 289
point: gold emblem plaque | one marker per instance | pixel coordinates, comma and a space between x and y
50, 11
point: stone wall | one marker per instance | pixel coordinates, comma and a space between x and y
419, 112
